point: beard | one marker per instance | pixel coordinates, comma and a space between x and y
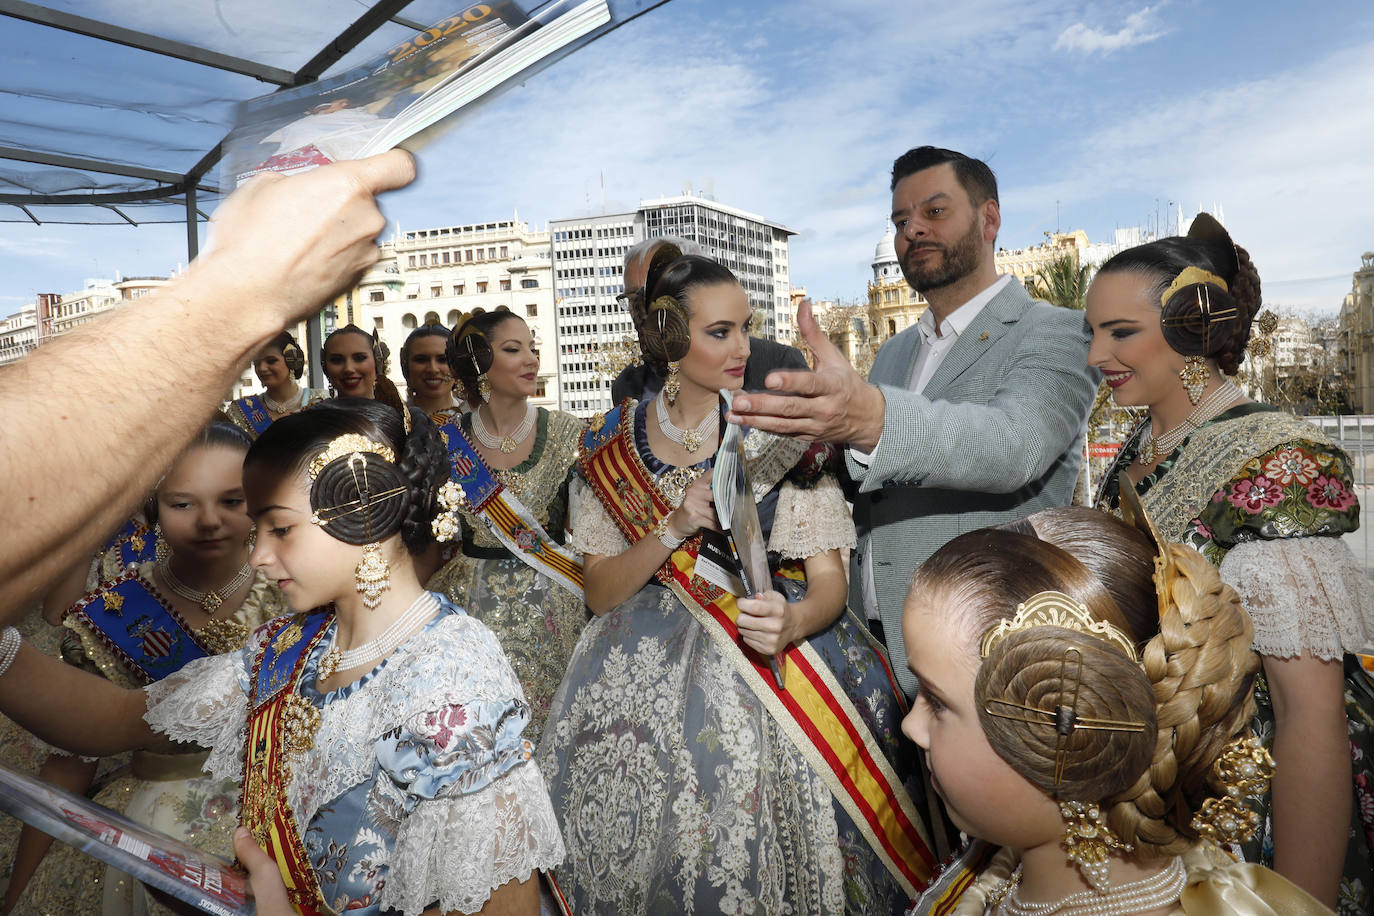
956, 262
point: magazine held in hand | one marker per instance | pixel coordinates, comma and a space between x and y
458, 61
154, 858
739, 521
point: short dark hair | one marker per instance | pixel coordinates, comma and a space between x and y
974, 175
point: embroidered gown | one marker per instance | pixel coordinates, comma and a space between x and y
250, 413
1267, 497
676, 789
418, 787
537, 620
167, 791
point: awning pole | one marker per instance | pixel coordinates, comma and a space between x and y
192, 231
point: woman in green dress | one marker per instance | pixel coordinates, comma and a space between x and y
524, 585
1266, 497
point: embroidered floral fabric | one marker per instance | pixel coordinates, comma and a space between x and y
419, 788
537, 620
676, 789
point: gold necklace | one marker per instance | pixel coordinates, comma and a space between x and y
209, 601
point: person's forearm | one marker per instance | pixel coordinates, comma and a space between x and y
73, 709
611, 581
826, 590
1311, 793
58, 401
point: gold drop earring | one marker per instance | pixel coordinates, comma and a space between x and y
671, 385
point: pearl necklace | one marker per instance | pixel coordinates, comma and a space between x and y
1147, 894
209, 601
1152, 448
509, 443
420, 610
276, 407
690, 439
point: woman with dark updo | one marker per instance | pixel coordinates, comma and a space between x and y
688, 776
1265, 497
513, 461
378, 731
355, 362
279, 366
429, 381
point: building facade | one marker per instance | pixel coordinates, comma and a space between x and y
1357, 335
53, 314
446, 272
588, 273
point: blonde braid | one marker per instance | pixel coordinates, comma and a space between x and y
1202, 670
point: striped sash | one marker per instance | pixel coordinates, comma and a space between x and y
506, 517
279, 727
812, 710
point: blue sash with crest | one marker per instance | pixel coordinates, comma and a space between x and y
509, 521
139, 626
135, 542
282, 656
250, 413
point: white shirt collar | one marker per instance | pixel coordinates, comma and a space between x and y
962, 317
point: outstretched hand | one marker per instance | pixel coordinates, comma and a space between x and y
269, 892
832, 402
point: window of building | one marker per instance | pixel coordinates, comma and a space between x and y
529, 283
376, 295
457, 289
491, 253
467, 255
481, 286
446, 257
424, 260
412, 260
504, 250
408, 321
436, 291
505, 286
532, 310
453, 317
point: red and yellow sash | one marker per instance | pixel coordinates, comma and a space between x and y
279, 726
812, 710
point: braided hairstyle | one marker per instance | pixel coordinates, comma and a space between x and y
1189, 695
288, 446
469, 351
381, 355
664, 336
1207, 246
291, 353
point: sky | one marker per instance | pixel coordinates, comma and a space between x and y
1094, 115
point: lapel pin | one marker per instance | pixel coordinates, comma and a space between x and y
983, 336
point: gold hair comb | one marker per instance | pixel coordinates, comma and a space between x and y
348, 444
1056, 609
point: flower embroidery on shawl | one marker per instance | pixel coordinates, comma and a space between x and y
1257, 493
440, 725
1291, 464
1329, 492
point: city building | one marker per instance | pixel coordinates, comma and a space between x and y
1025, 263
894, 305
18, 334
1357, 335
53, 314
588, 273
445, 272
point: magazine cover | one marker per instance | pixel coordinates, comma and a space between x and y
159, 861
739, 517
372, 108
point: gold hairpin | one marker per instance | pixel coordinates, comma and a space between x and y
1063, 719
1187, 277
348, 444
1056, 609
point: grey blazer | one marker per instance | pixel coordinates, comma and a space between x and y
995, 436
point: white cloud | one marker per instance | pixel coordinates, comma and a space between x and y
1139, 29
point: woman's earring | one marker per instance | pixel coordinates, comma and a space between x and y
160, 549
484, 388
1089, 842
459, 391
1194, 375
372, 576
671, 386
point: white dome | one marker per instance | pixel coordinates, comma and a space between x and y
886, 252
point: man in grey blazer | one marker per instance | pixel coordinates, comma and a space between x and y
973, 417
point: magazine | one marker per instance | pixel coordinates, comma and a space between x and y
159, 861
739, 517
375, 107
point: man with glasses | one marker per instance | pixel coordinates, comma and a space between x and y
641, 382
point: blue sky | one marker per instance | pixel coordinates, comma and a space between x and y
794, 109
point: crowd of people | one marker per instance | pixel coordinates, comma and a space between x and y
453, 652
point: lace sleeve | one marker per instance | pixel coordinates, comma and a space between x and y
458, 849
1304, 594
205, 703
592, 529
811, 521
